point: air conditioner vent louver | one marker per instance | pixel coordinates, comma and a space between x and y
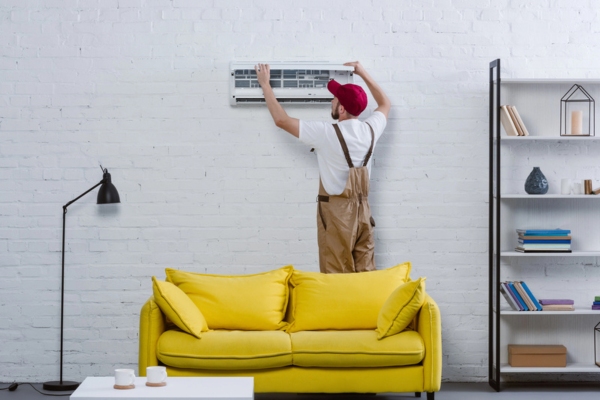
296, 83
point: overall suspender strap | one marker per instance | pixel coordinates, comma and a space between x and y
344, 146
370, 148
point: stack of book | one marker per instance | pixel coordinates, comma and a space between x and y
519, 297
557, 304
596, 304
544, 241
512, 122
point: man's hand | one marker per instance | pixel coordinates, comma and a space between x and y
280, 117
358, 68
263, 74
383, 102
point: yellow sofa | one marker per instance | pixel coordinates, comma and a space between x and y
327, 339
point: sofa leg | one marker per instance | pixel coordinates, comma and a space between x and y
417, 394
430, 395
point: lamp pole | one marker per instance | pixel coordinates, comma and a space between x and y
106, 195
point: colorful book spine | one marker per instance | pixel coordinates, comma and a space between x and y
511, 294
531, 296
524, 296
545, 241
544, 232
518, 296
511, 302
549, 302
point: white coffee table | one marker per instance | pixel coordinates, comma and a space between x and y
176, 388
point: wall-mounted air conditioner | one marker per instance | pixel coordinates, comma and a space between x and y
292, 82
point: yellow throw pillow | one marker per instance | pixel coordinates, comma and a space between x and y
179, 308
401, 308
342, 301
254, 302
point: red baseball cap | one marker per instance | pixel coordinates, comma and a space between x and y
352, 97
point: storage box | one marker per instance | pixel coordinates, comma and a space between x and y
527, 355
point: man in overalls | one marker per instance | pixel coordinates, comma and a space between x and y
345, 225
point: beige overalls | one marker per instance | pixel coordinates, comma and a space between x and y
344, 222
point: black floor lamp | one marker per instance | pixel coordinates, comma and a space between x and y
106, 195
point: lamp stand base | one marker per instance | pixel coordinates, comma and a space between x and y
58, 386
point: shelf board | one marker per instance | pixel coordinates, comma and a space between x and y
546, 81
573, 254
570, 368
548, 196
577, 311
556, 138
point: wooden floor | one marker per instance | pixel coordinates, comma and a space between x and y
450, 391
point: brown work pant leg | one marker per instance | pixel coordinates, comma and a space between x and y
345, 237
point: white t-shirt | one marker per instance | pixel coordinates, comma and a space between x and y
333, 167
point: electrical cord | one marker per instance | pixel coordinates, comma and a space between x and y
13, 386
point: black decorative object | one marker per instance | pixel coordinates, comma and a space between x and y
536, 182
106, 195
577, 113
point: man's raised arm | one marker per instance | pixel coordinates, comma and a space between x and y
280, 117
383, 102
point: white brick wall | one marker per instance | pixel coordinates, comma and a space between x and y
141, 87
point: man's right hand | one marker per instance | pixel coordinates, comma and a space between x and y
263, 74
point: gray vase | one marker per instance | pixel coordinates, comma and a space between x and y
536, 182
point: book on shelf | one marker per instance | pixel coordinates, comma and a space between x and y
519, 296
595, 307
548, 302
509, 299
539, 237
544, 241
507, 122
544, 232
519, 121
558, 307
511, 286
534, 246
512, 121
525, 296
512, 295
511, 113
531, 296
597, 298
522, 250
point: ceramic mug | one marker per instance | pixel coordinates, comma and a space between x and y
565, 186
156, 375
124, 377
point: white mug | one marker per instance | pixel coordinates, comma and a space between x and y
124, 377
156, 374
565, 186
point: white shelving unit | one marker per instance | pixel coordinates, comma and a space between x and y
548, 275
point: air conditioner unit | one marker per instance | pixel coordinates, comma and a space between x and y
292, 82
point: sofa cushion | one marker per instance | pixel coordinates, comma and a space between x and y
245, 302
225, 350
341, 301
401, 308
356, 349
178, 307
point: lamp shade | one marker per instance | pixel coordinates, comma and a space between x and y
108, 192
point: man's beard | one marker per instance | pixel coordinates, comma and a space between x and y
335, 114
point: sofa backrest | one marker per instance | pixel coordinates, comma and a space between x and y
341, 301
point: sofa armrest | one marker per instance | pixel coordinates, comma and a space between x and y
152, 325
429, 326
